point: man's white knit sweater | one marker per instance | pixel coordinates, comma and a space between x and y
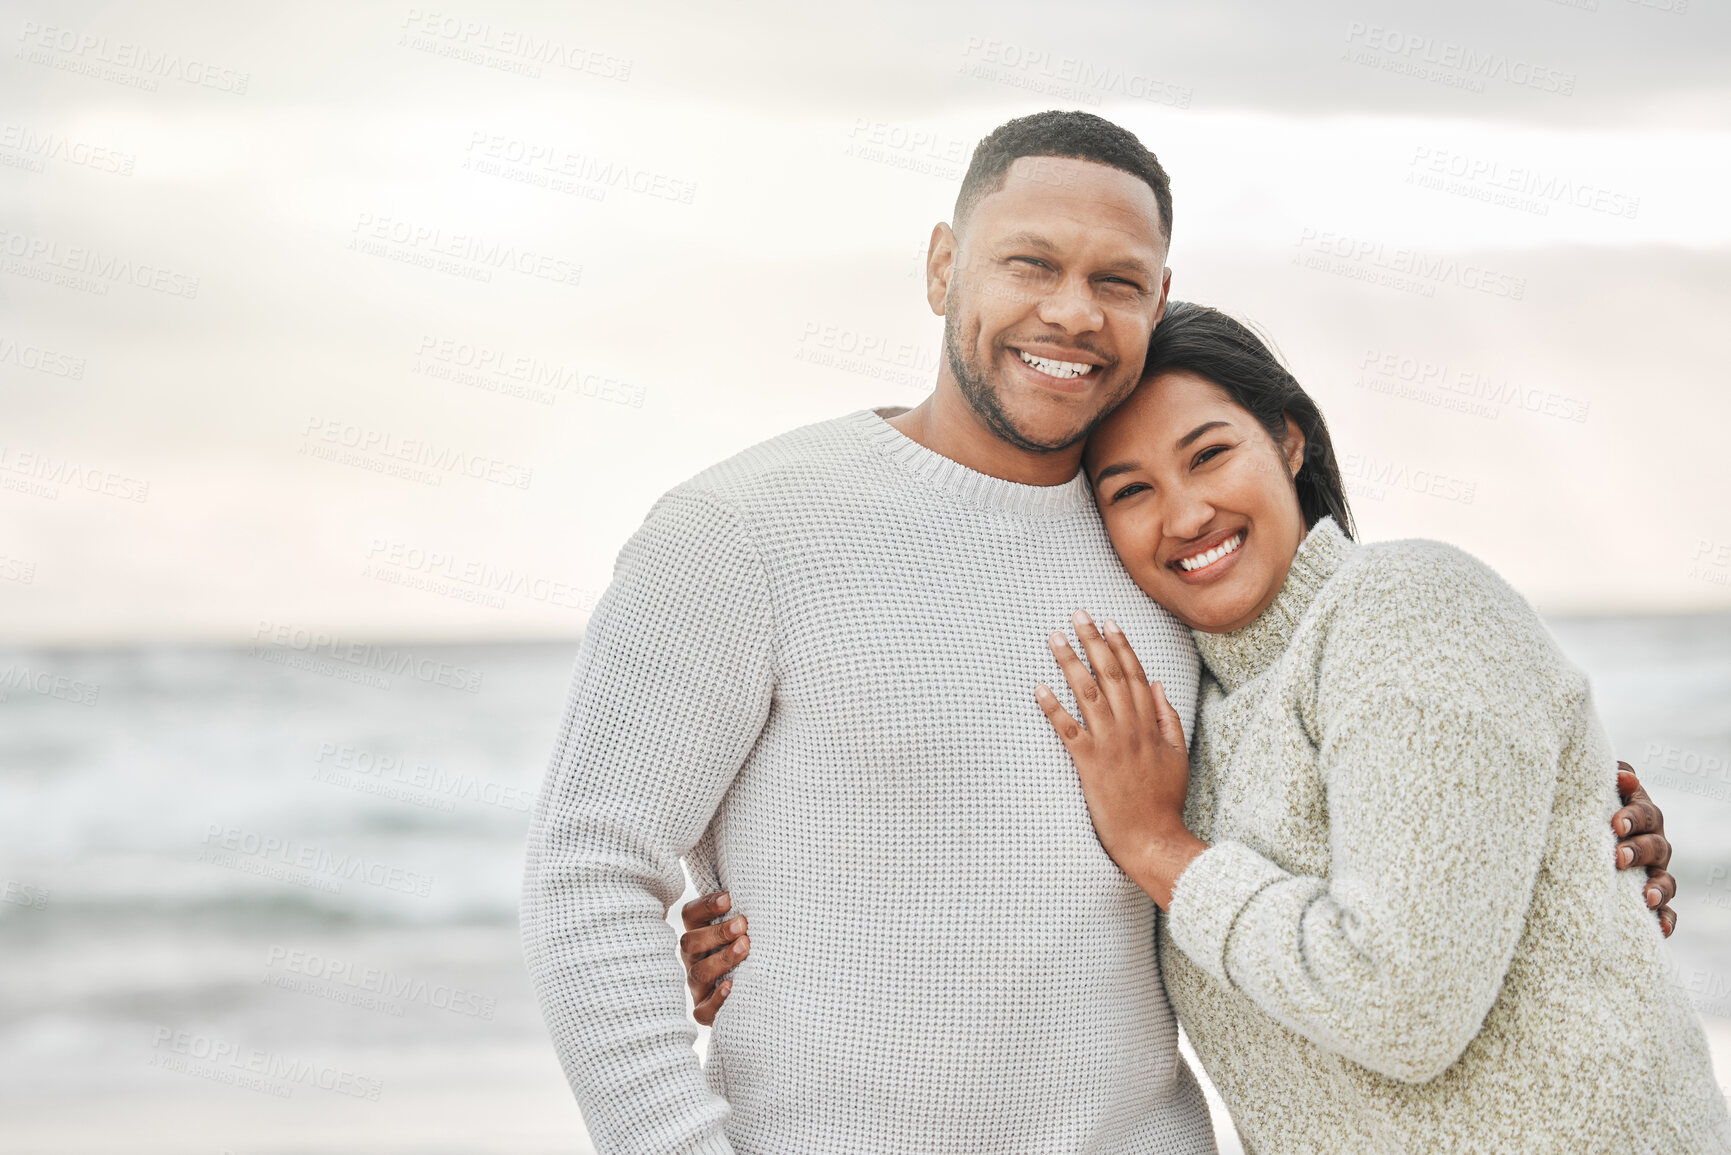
813, 674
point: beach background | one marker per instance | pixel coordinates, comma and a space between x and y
151, 946
342, 347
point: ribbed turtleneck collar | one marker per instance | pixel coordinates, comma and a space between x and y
1241, 655
970, 486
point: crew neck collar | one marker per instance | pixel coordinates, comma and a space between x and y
1237, 657
965, 485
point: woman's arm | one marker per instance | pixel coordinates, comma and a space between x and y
1439, 773
1439, 711
1437, 820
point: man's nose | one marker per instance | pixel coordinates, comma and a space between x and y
1072, 307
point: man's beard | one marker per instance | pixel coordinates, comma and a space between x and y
985, 401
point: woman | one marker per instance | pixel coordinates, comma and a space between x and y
1391, 923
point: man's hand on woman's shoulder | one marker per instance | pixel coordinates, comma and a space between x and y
1641, 843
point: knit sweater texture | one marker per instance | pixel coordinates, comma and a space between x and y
813, 676
1408, 934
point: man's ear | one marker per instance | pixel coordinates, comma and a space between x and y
1293, 444
1165, 294
940, 265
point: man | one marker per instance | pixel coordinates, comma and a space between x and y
811, 674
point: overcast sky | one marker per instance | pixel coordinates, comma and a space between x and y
393, 321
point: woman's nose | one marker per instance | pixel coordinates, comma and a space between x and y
1187, 513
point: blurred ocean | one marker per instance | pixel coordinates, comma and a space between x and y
261, 907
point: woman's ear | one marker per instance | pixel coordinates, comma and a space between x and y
1293, 444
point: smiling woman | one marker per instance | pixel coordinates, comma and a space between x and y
1217, 421
1359, 965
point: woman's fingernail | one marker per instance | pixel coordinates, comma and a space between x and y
739, 948
1055, 640
734, 926
1081, 618
723, 902
1112, 627
1626, 825
1042, 692
1625, 856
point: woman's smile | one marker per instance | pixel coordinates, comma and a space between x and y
1210, 558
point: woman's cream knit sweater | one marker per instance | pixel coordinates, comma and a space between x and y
1408, 934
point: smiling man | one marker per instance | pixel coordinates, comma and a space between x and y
810, 674
810, 677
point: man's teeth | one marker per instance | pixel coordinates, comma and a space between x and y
1057, 368
1193, 563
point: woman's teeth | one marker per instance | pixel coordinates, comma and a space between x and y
1057, 368
1189, 564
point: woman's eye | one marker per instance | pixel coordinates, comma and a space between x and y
1209, 454
1133, 487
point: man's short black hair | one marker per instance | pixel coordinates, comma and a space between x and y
1078, 135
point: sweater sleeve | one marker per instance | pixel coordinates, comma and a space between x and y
673, 684
1439, 761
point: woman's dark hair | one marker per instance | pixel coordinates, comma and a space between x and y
1225, 352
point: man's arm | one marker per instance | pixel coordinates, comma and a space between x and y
673, 683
